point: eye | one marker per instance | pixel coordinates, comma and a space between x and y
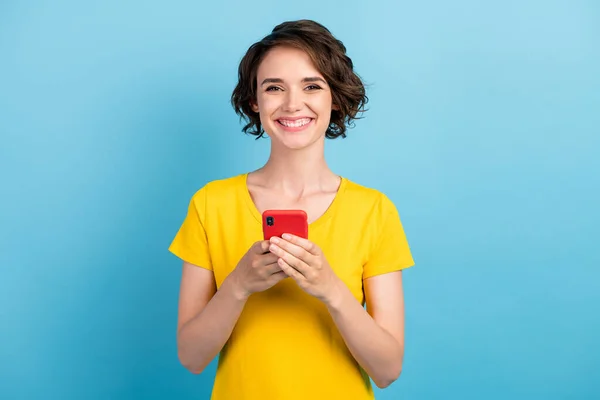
272, 89
313, 87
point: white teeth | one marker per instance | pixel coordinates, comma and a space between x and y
295, 124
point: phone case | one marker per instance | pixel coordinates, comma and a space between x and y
278, 222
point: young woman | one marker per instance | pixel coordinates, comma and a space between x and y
287, 315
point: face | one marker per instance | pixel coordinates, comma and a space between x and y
293, 99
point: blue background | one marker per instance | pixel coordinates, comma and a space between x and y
483, 129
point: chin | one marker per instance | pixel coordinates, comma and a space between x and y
295, 140
295, 143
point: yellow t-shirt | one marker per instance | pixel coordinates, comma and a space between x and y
285, 345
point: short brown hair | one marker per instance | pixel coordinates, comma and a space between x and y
327, 53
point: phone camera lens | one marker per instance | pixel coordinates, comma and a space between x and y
270, 221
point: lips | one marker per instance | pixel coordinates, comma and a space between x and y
294, 123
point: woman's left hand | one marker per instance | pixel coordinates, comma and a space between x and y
303, 261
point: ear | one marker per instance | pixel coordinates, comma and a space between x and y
254, 106
335, 107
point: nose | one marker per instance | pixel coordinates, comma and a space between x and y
293, 101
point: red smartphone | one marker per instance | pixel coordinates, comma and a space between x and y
278, 222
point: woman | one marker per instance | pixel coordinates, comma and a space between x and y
287, 315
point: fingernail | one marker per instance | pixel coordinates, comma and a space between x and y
272, 248
274, 240
286, 236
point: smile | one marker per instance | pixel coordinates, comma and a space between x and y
294, 125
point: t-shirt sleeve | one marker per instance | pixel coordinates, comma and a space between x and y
191, 242
391, 251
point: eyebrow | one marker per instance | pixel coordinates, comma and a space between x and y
305, 80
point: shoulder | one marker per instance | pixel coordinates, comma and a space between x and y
371, 198
217, 192
219, 188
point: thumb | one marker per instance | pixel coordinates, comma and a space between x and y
262, 246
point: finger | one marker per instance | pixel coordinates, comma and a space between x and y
290, 271
292, 248
278, 276
262, 247
273, 268
305, 244
290, 259
268, 258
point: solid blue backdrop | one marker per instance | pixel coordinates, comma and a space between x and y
483, 129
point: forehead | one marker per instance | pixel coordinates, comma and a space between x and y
282, 62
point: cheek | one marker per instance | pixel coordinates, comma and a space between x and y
324, 103
268, 104
323, 107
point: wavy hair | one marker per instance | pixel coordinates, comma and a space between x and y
327, 53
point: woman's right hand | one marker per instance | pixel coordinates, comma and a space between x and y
256, 271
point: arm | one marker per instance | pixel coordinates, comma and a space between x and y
206, 316
375, 336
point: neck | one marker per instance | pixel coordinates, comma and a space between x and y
298, 172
